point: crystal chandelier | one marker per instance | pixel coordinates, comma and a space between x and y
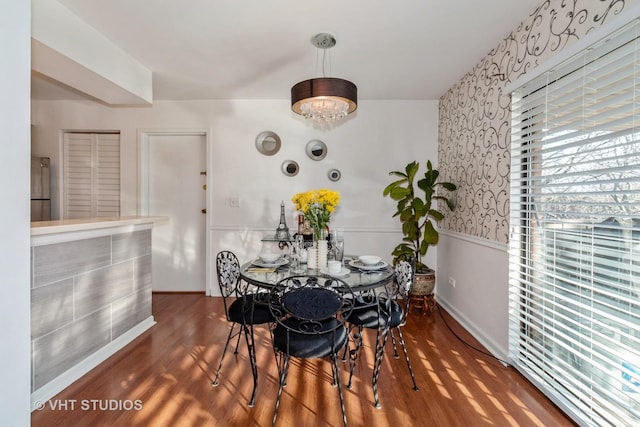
324, 99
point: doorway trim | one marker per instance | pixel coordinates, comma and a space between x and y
144, 136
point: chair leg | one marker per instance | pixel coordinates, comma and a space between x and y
334, 375
381, 340
224, 351
346, 350
393, 341
336, 379
248, 336
356, 339
283, 377
237, 344
406, 356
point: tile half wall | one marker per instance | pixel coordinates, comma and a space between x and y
85, 294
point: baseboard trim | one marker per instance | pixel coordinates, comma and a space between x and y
64, 380
178, 292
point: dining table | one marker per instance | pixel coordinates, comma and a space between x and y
367, 282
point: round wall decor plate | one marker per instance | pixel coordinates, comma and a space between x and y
268, 143
334, 175
290, 168
316, 149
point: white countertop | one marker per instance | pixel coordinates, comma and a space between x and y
67, 225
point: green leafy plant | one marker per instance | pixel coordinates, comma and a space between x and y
416, 210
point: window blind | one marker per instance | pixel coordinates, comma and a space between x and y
575, 232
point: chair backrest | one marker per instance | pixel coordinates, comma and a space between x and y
305, 304
404, 277
228, 272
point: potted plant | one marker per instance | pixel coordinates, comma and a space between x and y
417, 212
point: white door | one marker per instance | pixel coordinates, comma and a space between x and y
176, 189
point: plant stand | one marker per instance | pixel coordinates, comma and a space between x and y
426, 303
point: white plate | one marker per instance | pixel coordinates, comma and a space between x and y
362, 266
277, 263
342, 273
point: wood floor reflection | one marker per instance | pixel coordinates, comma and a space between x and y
164, 377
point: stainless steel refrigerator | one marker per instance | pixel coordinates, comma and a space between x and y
40, 189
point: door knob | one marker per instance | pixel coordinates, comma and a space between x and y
204, 211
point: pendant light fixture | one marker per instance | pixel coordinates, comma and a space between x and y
324, 100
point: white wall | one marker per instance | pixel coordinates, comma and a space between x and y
14, 214
382, 136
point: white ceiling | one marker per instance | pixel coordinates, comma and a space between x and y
257, 49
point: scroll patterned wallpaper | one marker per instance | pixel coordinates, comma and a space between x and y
474, 117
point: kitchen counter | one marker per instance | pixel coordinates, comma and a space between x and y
65, 225
91, 289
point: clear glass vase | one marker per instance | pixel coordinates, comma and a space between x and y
320, 233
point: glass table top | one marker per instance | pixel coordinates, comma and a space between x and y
265, 275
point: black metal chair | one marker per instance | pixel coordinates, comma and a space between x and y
242, 309
387, 313
309, 314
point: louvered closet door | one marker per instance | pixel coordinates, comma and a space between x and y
91, 175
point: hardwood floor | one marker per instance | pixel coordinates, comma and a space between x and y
164, 377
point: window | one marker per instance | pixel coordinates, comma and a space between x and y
91, 177
575, 220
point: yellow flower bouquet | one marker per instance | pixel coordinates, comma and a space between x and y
317, 206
